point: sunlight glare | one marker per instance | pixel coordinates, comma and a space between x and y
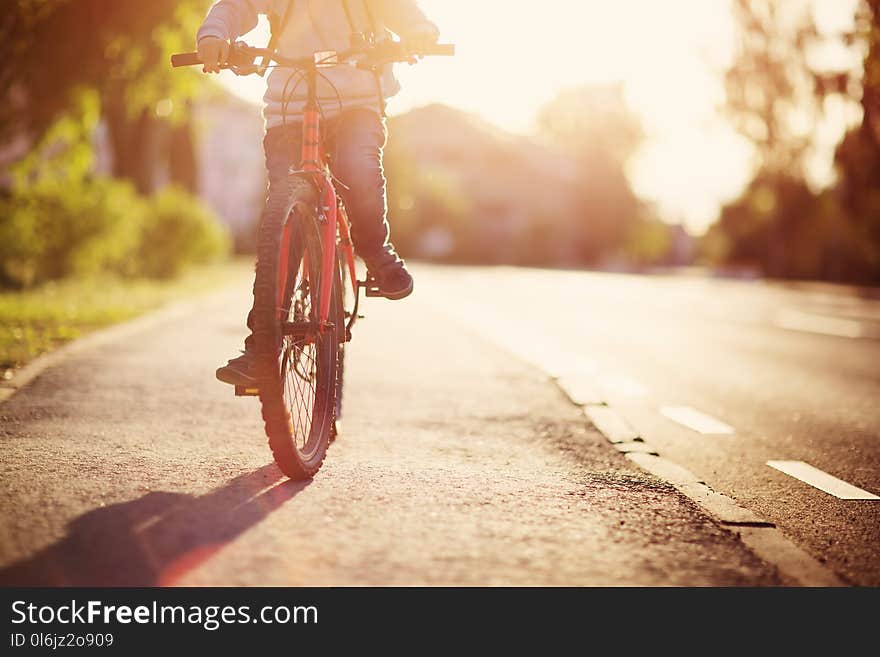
669, 55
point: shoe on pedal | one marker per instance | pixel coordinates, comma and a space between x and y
392, 279
240, 371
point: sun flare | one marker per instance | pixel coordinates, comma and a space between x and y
669, 56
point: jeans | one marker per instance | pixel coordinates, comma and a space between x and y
353, 141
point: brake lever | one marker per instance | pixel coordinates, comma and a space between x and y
239, 62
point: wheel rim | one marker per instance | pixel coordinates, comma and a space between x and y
299, 358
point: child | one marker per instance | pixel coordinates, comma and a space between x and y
353, 108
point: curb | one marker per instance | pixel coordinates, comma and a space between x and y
760, 536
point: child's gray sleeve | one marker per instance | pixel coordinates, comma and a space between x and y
403, 16
229, 19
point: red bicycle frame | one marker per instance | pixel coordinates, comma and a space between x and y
331, 213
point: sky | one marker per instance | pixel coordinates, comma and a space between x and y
512, 57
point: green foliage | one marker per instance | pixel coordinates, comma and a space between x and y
785, 230
178, 231
779, 225
52, 48
648, 242
51, 230
58, 220
36, 320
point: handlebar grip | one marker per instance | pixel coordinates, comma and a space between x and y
442, 49
185, 59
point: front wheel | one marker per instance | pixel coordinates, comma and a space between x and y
297, 358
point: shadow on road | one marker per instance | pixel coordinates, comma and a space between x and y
155, 539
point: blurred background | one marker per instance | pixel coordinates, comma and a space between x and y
740, 136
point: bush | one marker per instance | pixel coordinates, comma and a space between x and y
59, 220
55, 229
179, 231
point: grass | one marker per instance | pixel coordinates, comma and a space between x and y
38, 320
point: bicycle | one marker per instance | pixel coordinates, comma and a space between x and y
306, 292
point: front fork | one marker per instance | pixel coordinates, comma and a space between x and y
329, 220
333, 219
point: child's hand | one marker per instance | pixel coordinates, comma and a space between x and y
213, 52
245, 69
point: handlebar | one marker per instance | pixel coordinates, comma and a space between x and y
386, 52
185, 59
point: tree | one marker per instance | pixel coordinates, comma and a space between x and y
592, 121
776, 95
594, 125
774, 92
858, 163
52, 48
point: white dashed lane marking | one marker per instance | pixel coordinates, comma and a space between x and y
694, 419
822, 480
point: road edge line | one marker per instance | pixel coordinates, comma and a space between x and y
760, 536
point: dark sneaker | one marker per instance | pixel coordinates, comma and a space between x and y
239, 371
393, 280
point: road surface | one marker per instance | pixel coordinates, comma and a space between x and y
792, 371
461, 461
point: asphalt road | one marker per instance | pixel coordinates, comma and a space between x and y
460, 462
794, 371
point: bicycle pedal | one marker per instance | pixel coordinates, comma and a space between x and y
245, 391
371, 287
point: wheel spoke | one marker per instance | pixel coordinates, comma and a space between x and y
304, 402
